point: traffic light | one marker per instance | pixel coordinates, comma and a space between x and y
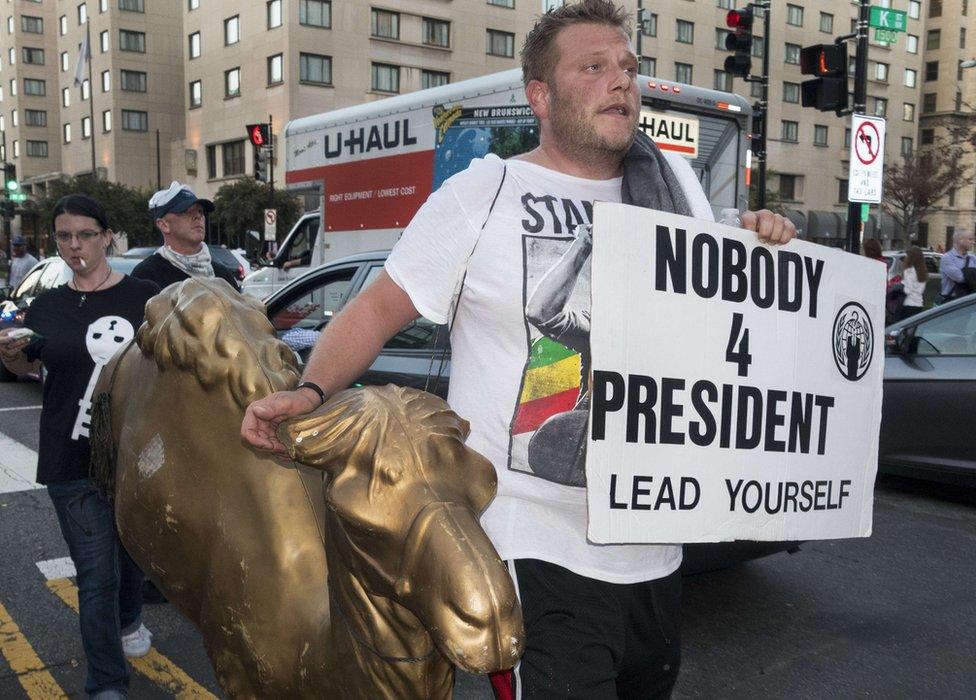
739, 42
261, 157
828, 91
260, 134
10, 182
7, 209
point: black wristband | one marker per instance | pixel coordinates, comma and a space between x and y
314, 387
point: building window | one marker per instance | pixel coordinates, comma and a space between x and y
315, 13
233, 153
908, 112
794, 15
935, 8
66, 131
911, 77
927, 137
914, 9
62, 25
16, 148
648, 66
436, 32
274, 13
881, 72
36, 149
82, 14
880, 106
34, 25
12, 56
928, 102
232, 82
66, 97
386, 78
132, 41
86, 127
819, 135
826, 22
906, 146
385, 24
35, 87
959, 70
911, 43
316, 69
433, 78
685, 33
791, 92
194, 41
132, 5
725, 4
14, 118
196, 93
275, 74
500, 43
787, 187
106, 80
232, 30
793, 53
33, 56
13, 88
720, 36
758, 46
722, 81
211, 161
35, 117
683, 73
510, 4
790, 131
103, 41
842, 191
649, 26
933, 39
755, 90
962, 37
193, 4
102, 6
65, 61
106, 121
133, 81
931, 71
133, 120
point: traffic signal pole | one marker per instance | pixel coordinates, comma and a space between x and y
764, 105
860, 100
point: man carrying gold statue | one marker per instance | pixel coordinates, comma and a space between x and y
601, 621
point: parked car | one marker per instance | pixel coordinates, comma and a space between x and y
930, 395
933, 286
419, 356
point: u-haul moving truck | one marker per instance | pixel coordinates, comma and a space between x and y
371, 166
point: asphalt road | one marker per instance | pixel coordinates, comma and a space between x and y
893, 615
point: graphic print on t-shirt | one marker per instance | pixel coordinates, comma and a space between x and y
548, 430
104, 336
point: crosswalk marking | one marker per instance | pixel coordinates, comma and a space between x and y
154, 666
21, 408
36, 681
57, 568
18, 466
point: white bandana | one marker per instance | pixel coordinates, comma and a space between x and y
196, 265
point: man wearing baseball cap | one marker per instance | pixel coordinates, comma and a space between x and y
20, 262
180, 217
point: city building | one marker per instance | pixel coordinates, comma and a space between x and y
188, 75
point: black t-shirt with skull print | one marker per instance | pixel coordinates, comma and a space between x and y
79, 338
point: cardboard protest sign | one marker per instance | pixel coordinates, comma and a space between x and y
736, 386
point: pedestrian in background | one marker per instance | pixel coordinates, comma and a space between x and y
79, 327
958, 268
913, 278
21, 261
872, 249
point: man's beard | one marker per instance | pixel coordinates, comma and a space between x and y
578, 136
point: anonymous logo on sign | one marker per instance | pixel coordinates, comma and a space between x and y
853, 341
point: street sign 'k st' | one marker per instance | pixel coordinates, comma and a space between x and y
884, 18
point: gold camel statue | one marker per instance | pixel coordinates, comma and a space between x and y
360, 570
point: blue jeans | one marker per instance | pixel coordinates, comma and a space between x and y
109, 599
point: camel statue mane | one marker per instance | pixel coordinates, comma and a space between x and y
218, 338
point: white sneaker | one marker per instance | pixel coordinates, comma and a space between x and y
136, 644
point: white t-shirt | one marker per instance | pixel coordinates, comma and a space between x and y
914, 289
508, 377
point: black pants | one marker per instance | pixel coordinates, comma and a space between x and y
591, 639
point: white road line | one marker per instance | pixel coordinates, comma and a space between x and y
21, 408
57, 568
18, 466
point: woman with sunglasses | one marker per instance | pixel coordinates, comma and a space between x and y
77, 328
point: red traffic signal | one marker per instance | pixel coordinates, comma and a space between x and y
259, 134
739, 19
739, 42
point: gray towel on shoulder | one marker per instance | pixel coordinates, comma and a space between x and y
649, 181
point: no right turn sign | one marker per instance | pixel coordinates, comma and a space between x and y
866, 174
